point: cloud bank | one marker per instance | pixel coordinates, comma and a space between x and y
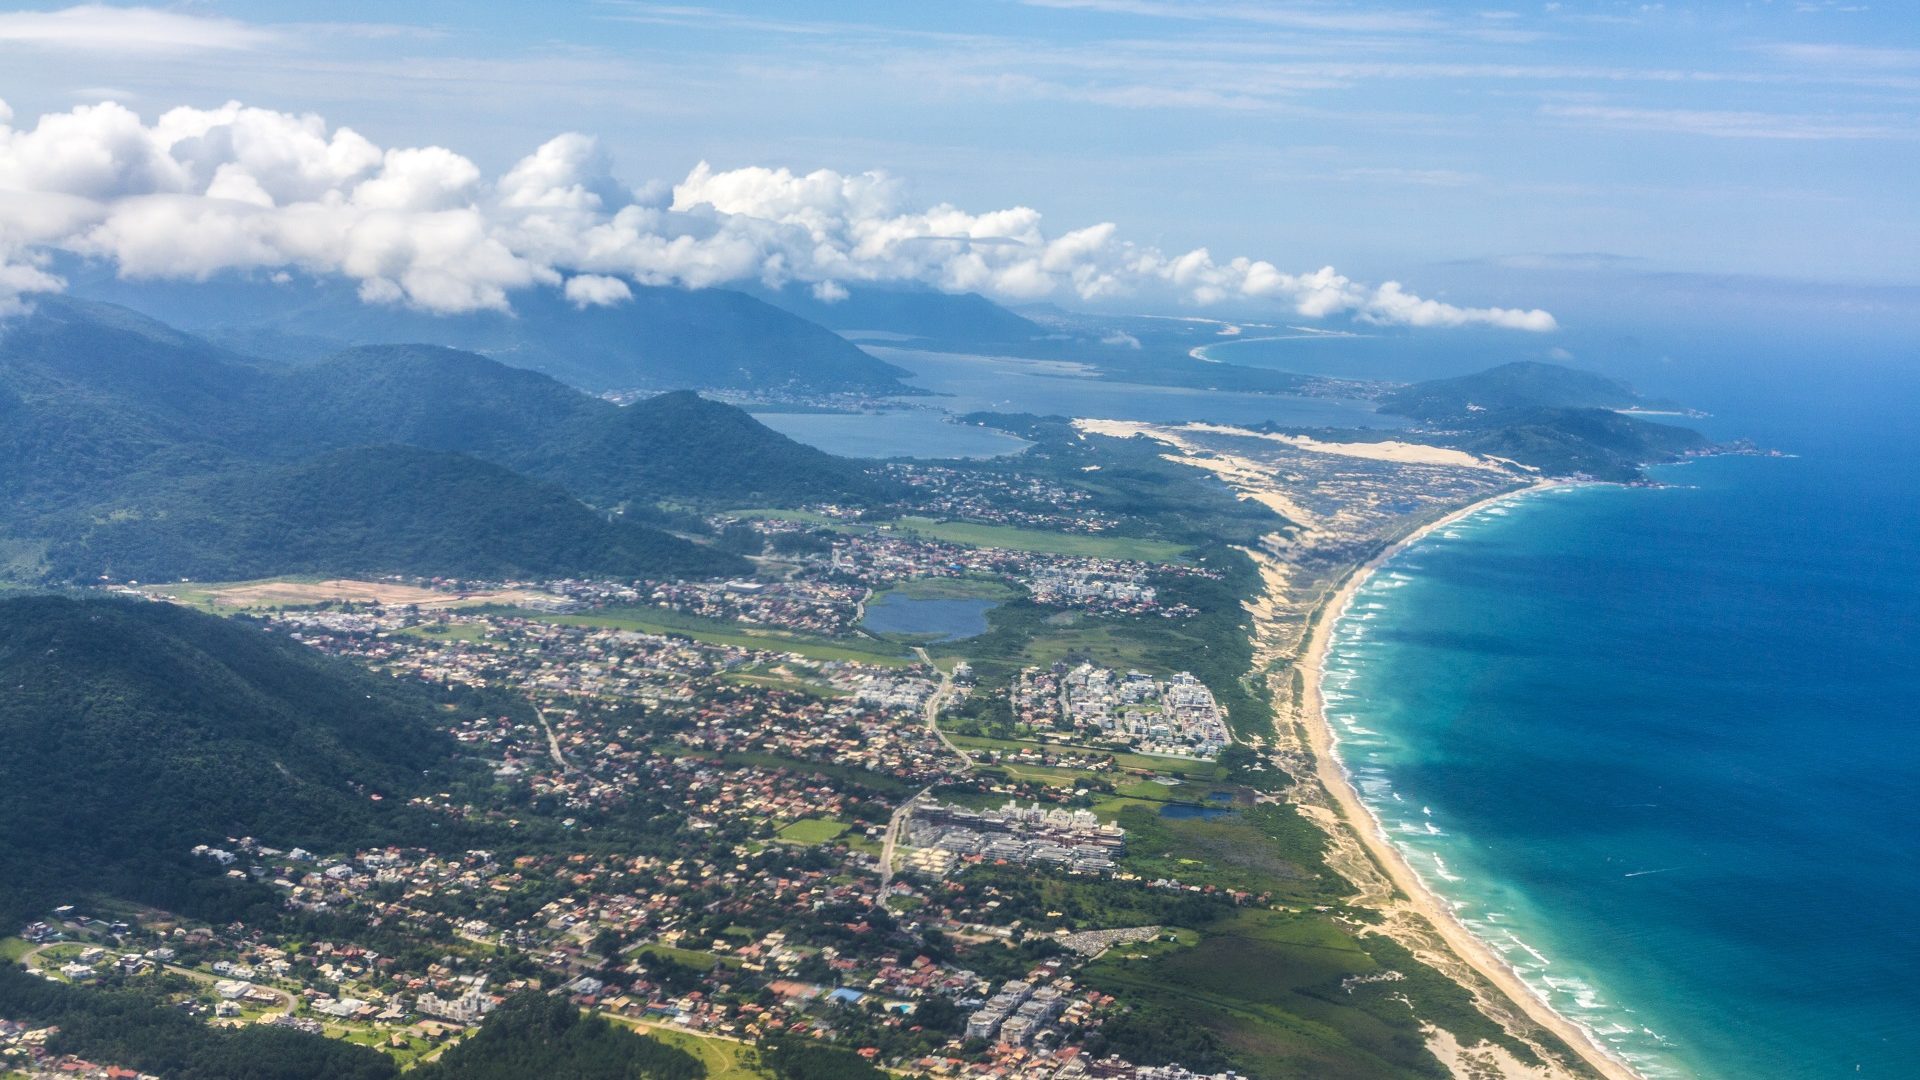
198, 192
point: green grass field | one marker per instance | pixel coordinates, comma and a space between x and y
811, 831
724, 1059
1196, 771
450, 631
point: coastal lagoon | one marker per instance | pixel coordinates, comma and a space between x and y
1656, 748
958, 384
894, 433
935, 618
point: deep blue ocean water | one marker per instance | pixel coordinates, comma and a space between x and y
1662, 747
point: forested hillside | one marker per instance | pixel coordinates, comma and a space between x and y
136, 447
131, 731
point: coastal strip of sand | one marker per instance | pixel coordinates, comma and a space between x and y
1333, 777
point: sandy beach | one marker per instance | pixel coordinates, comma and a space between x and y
1333, 777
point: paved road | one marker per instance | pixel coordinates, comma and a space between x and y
899, 819
553, 742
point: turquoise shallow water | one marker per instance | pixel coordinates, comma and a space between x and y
1659, 748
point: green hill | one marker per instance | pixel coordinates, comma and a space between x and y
1523, 385
663, 338
676, 445
1555, 419
132, 731
126, 438
378, 510
1562, 442
536, 1035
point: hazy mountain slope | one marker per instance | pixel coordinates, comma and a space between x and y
662, 338
675, 445
132, 445
1522, 385
1563, 442
950, 318
1557, 420
378, 510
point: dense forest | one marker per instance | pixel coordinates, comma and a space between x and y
534, 1035
131, 445
377, 510
131, 732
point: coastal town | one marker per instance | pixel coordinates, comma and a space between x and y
734, 813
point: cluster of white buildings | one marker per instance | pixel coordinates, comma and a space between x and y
1079, 588
1177, 716
1075, 840
468, 1008
1016, 1014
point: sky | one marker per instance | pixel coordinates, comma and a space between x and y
1480, 160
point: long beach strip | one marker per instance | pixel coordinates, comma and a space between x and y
1333, 776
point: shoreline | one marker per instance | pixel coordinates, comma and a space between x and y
1332, 774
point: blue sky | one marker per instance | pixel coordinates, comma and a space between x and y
1406, 141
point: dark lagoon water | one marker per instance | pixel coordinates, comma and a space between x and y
949, 618
1661, 748
997, 384
964, 384
908, 433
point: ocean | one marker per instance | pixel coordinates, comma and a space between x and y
1661, 747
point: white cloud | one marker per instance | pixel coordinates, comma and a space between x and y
102, 28
595, 290
201, 191
1732, 124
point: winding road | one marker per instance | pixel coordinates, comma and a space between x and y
899, 819
553, 741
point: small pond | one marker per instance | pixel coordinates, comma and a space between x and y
943, 618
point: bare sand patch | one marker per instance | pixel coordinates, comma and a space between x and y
259, 594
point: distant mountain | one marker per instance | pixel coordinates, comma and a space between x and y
955, 319
131, 731
126, 439
1555, 419
1522, 385
674, 445
1563, 442
661, 339
377, 510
